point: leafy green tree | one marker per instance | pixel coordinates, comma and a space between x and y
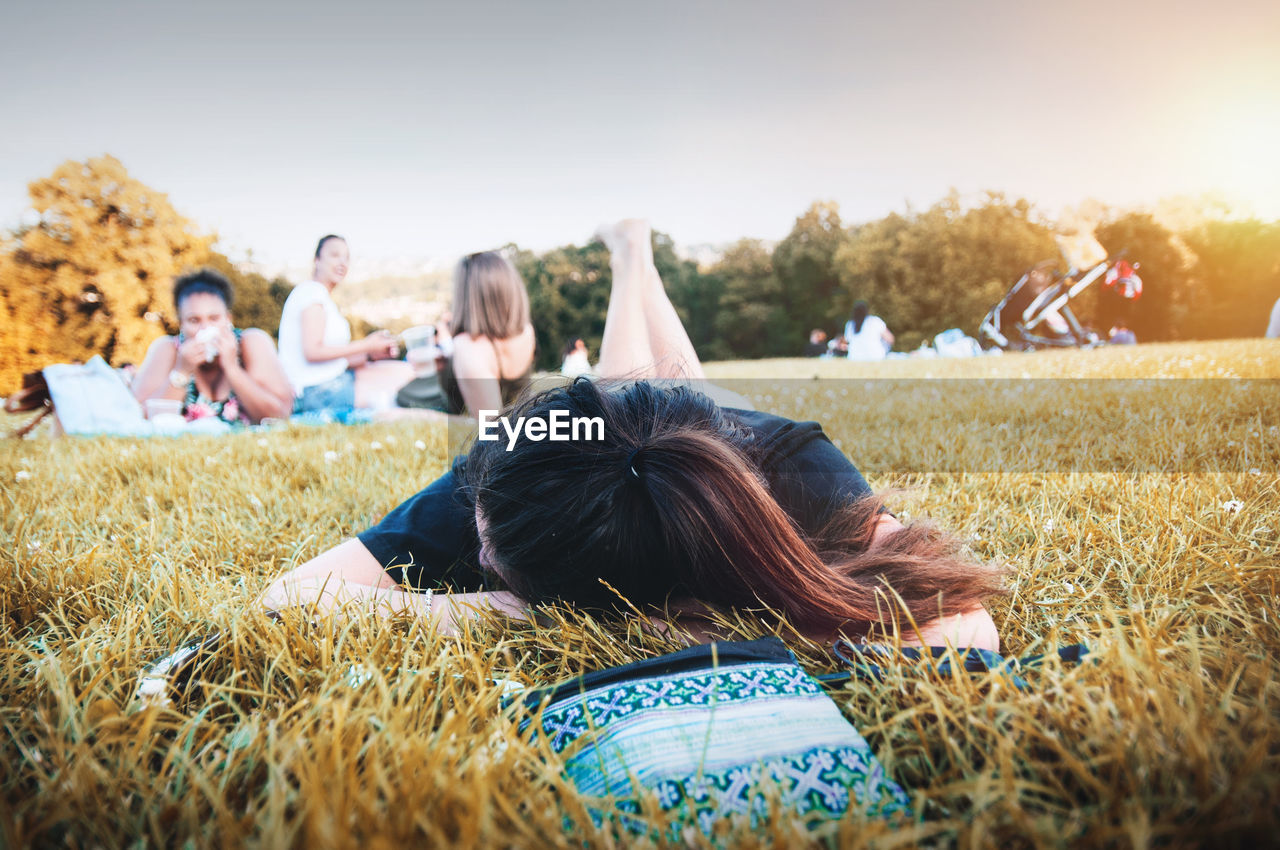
942, 268
751, 321
569, 291
568, 297
1237, 278
1165, 268
808, 281
93, 274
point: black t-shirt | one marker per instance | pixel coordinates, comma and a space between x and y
430, 540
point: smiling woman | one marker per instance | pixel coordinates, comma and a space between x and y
327, 369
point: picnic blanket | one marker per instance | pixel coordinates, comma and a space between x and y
91, 400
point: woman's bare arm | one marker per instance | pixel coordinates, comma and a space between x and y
311, 323
349, 561
152, 380
445, 612
260, 385
349, 574
475, 366
163, 357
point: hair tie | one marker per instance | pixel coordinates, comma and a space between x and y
631, 462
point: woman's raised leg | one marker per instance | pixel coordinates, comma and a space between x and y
643, 334
624, 349
673, 352
378, 383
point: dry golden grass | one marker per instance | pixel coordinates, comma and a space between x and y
113, 552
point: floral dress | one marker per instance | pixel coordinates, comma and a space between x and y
197, 405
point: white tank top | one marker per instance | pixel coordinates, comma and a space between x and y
303, 373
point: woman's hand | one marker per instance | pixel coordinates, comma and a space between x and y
972, 629
191, 356
381, 345
225, 344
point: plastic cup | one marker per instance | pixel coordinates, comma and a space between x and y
420, 349
418, 336
423, 360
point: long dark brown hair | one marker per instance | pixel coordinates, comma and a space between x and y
859, 315
669, 504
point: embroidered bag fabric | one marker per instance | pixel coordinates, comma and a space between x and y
714, 731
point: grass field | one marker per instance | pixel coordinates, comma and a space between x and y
1143, 519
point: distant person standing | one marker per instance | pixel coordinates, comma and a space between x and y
1273, 329
866, 335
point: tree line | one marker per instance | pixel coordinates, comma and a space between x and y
91, 274
923, 272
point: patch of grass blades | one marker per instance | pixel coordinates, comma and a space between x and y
114, 552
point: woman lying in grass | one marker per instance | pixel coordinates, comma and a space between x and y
681, 506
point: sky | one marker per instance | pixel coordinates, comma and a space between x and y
434, 129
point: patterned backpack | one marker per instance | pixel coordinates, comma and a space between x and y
712, 732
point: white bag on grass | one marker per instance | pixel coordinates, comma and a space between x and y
954, 342
90, 398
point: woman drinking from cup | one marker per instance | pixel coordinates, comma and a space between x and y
211, 369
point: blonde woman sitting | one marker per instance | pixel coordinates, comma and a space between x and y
493, 341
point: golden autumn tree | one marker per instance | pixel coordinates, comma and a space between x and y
93, 274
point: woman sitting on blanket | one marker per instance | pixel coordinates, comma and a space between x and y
491, 341
327, 369
683, 506
213, 368
492, 335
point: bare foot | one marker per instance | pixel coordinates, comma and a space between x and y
628, 233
